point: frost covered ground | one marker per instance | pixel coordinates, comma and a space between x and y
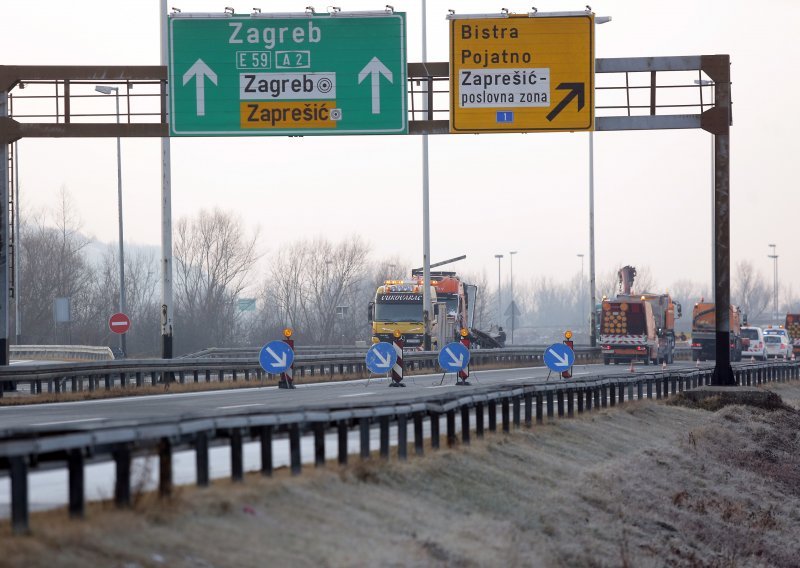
645, 484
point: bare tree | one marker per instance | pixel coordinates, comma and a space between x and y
213, 260
750, 291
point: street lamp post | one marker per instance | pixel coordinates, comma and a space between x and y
107, 91
513, 306
774, 258
499, 300
583, 296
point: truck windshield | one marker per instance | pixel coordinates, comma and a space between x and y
398, 311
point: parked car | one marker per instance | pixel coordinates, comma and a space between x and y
778, 346
755, 346
776, 331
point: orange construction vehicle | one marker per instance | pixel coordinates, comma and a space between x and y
638, 326
793, 329
704, 337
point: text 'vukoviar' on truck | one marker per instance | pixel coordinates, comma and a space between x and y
397, 306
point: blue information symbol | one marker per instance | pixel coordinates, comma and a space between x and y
559, 357
454, 357
381, 357
276, 356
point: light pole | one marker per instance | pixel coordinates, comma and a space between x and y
592, 323
583, 296
107, 91
774, 258
513, 306
499, 300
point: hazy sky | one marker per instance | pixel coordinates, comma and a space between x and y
489, 193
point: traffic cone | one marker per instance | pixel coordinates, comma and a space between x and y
663, 365
752, 359
632, 370
698, 363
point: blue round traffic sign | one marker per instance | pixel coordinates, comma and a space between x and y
276, 356
454, 357
381, 357
559, 357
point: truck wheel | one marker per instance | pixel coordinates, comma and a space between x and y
647, 360
606, 361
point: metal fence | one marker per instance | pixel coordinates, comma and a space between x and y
524, 404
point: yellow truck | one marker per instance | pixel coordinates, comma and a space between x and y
397, 306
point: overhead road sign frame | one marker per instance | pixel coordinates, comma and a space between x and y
522, 72
287, 74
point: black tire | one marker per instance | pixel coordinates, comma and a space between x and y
606, 361
647, 360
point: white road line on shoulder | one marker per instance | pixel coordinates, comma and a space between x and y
238, 406
77, 420
440, 387
357, 394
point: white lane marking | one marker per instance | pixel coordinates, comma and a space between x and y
357, 394
238, 406
440, 387
527, 378
67, 421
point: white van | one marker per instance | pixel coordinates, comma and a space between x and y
757, 347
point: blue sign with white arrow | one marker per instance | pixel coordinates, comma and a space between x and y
276, 356
559, 357
381, 357
454, 357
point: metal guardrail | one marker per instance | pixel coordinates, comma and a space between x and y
25, 448
62, 352
125, 373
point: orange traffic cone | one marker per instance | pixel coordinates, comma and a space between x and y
663, 365
698, 363
752, 359
632, 370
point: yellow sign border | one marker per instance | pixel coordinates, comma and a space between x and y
588, 89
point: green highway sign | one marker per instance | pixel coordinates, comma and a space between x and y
290, 74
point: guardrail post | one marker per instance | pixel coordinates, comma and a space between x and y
493, 415
208, 375
75, 384
639, 387
402, 437
465, 424
560, 403
539, 408
383, 423
570, 403
139, 381
479, 420
630, 392
419, 438
580, 399
122, 484
434, 418
182, 377
164, 467
341, 428
201, 458
658, 388
506, 421
588, 392
528, 409
107, 380
265, 435
294, 448
196, 376
609, 392
363, 424
451, 428
649, 389
319, 444
237, 460
549, 398
19, 494
597, 391
77, 503
515, 402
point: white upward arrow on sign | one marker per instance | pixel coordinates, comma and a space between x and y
200, 71
375, 68
562, 361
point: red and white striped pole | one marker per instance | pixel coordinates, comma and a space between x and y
463, 374
398, 368
287, 377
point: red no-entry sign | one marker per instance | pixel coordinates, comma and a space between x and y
119, 323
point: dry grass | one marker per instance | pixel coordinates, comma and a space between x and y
644, 485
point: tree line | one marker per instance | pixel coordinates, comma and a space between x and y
319, 288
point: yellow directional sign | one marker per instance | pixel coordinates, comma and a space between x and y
522, 73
